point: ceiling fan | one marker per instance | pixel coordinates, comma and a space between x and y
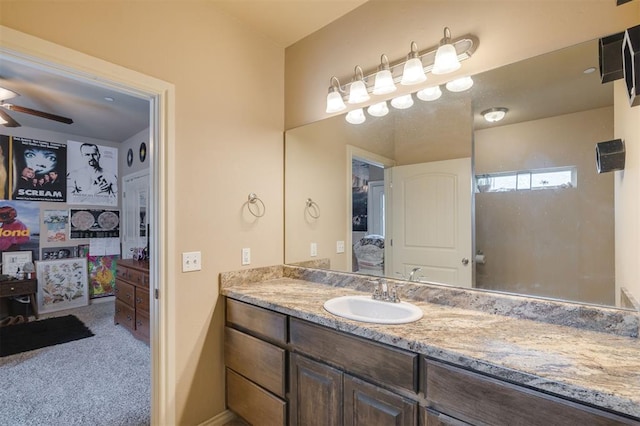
7, 121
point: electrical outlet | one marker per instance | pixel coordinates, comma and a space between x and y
246, 256
191, 261
339, 246
314, 249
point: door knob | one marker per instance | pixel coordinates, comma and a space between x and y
465, 261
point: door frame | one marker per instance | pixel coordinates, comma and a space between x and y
355, 153
36, 52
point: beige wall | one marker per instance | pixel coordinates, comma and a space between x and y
228, 144
627, 188
553, 243
508, 30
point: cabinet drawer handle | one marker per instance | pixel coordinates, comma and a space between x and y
128, 296
128, 317
138, 300
12, 288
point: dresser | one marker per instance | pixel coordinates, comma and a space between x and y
132, 297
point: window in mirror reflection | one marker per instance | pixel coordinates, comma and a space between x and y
551, 178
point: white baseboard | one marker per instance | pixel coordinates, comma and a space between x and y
102, 299
219, 420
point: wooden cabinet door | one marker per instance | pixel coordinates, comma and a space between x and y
366, 404
316, 393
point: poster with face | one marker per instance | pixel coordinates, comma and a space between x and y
93, 174
20, 227
39, 168
4, 167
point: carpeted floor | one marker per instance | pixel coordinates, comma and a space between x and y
102, 380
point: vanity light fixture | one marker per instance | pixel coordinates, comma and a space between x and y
356, 116
429, 93
2, 120
334, 98
413, 72
460, 84
446, 57
384, 79
358, 91
6, 94
493, 115
378, 110
402, 102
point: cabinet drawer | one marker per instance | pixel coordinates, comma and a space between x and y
142, 299
122, 272
254, 404
138, 278
18, 288
259, 361
257, 321
478, 399
142, 325
125, 292
124, 315
382, 364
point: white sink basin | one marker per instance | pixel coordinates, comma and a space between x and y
366, 309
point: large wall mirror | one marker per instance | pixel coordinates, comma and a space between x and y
435, 193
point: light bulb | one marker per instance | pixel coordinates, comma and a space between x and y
429, 93
384, 83
378, 110
356, 116
413, 72
402, 102
335, 102
446, 56
460, 84
493, 115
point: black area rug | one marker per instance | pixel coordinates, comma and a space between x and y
39, 334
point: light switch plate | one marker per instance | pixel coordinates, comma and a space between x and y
191, 261
314, 249
246, 256
340, 247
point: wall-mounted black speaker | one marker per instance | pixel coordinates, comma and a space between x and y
631, 63
610, 54
610, 156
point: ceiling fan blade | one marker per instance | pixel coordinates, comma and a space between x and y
40, 114
9, 122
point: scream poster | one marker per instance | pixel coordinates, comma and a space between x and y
39, 170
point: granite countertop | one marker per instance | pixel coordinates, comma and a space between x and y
593, 367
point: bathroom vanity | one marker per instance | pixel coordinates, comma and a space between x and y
288, 361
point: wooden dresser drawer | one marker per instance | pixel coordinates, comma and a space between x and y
257, 321
139, 278
125, 292
381, 363
254, 404
142, 325
477, 399
142, 300
124, 315
19, 288
122, 272
258, 361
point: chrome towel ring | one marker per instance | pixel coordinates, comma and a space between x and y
254, 200
313, 209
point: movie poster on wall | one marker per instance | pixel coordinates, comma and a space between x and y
4, 167
93, 174
20, 227
94, 223
39, 170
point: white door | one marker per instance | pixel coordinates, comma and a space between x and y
375, 208
135, 208
431, 223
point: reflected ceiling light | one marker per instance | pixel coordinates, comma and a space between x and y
378, 110
446, 57
2, 120
413, 72
334, 98
429, 93
589, 70
402, 102
358, 91
384, 79
356, 116
493, 115
460, 84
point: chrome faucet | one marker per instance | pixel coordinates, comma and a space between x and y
382, 292
413, 272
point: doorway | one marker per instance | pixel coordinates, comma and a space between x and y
58, 60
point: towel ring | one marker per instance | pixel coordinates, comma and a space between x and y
254, 200
313, 209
